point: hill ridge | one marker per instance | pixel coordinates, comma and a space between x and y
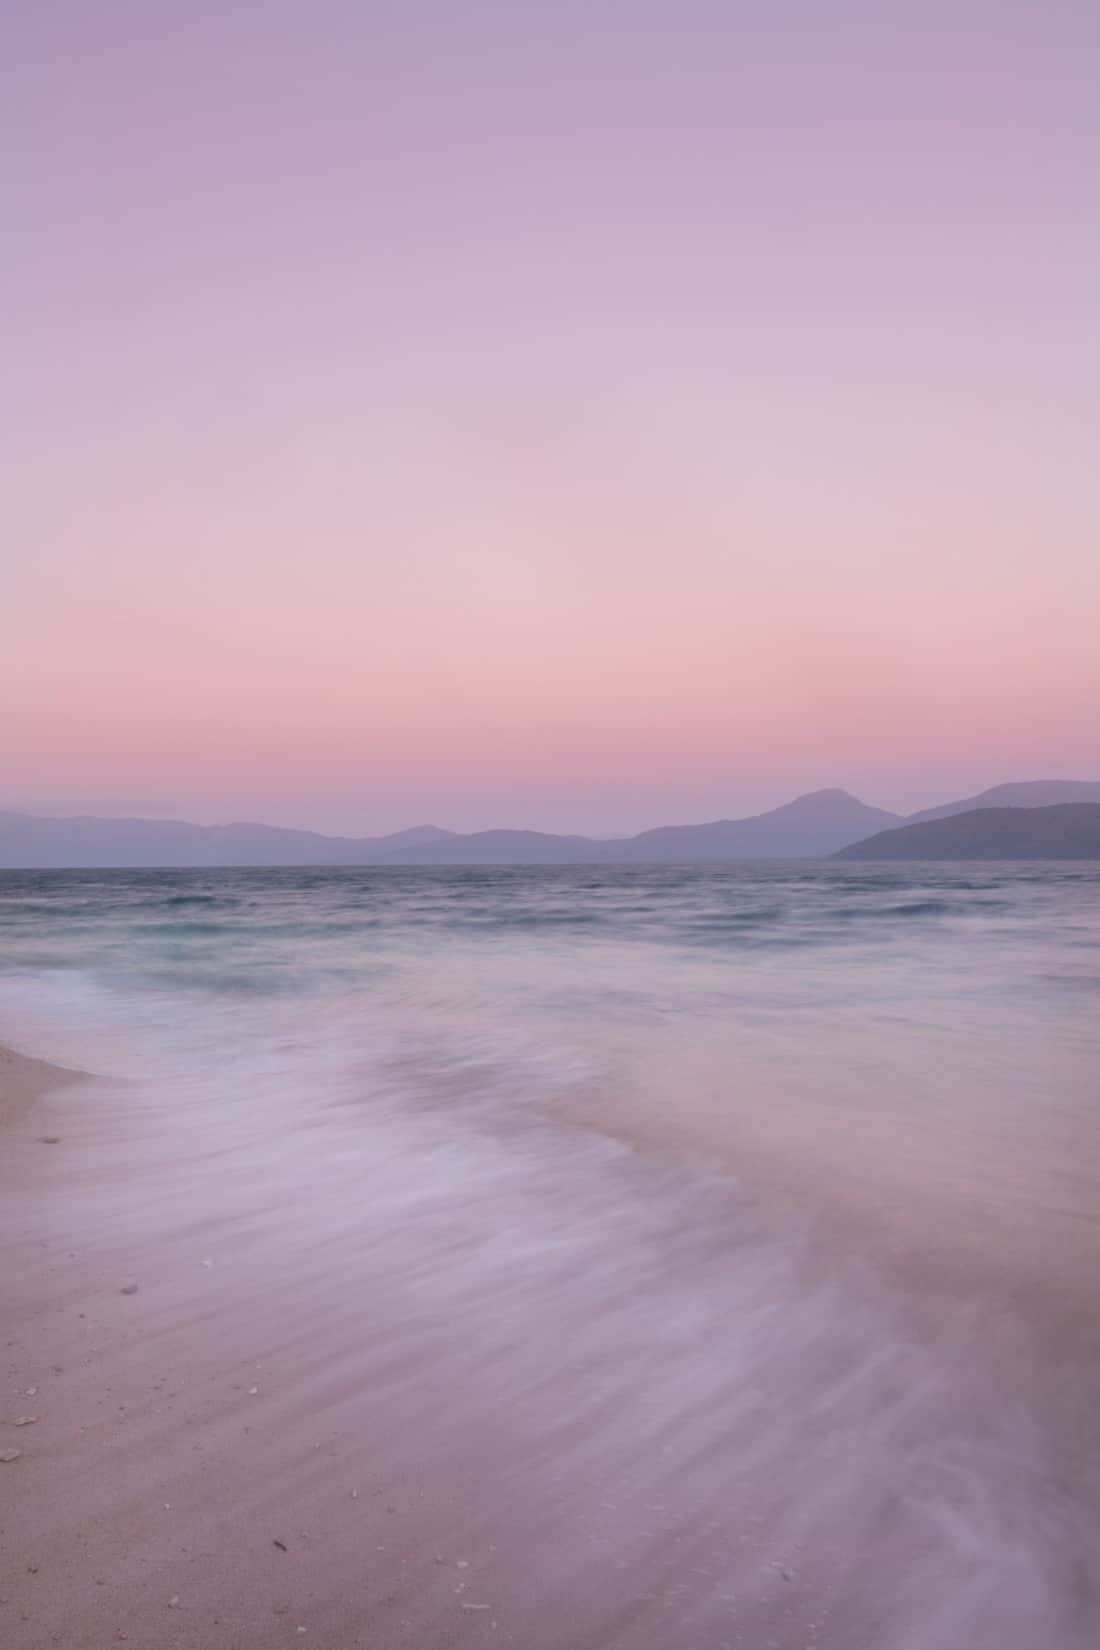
816, 824
1066, 830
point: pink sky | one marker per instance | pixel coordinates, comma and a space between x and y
565, 415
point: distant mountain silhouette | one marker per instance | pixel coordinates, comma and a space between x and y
1033, 793
34, 842
1069, 830
411, 837
811, 827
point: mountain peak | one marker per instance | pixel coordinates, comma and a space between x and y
831, 802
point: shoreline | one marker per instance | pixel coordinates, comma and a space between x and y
273, 1399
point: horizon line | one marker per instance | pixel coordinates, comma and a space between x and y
86, 812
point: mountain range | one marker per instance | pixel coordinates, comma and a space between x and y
1066, 830
814, 826
1035, 793
35, 841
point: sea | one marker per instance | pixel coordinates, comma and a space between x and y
779, 1185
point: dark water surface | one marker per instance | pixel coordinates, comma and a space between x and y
786, 1178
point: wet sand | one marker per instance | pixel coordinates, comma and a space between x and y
275, 1394
23, 1080
996, 1198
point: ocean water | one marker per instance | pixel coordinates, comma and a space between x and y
780, 1183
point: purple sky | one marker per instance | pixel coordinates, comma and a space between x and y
564, 415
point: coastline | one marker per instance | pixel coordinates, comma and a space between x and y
267, 1407
199, 1442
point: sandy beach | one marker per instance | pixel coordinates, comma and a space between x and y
218, 1441
260, 1396
236, 1427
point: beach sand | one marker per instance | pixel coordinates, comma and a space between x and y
23, 1080
265, 1408
238, 1433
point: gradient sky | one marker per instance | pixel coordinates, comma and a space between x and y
554, 414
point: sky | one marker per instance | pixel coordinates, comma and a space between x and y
578, 416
